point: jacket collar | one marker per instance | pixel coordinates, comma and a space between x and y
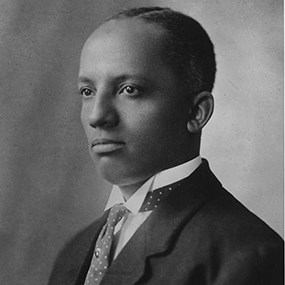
163, 225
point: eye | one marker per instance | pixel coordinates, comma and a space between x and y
86, 92
130, 90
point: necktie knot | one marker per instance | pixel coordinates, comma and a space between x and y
116, 214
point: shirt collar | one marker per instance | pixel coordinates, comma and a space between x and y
161, 179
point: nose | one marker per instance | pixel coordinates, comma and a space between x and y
103, 113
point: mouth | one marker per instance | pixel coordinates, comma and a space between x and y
103, 146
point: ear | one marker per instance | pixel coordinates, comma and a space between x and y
200, 111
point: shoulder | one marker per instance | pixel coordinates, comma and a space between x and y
221, 214
225, 213
73, 260
224, 239
83, 238
230, 238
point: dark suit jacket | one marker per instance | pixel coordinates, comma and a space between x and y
200, 234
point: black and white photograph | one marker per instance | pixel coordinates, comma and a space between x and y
142, 142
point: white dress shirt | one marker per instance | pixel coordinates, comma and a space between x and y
125, 229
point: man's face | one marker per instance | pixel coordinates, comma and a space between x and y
134, 109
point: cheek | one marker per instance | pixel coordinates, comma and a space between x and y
155, 124
143, 120
162, 116
84, 120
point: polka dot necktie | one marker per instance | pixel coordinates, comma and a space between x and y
155, 197
100, 259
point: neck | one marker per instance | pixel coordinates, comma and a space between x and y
129, 190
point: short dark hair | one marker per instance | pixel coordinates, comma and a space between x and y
188, 48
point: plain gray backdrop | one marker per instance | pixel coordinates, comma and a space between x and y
49, 188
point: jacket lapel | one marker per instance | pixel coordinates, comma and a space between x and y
130, 263
162, 227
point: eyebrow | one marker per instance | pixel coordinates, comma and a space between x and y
84, 79
131, 76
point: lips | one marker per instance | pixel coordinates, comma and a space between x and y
101, 146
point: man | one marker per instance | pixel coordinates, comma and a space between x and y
145, 78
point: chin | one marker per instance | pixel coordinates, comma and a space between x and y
113, 175
117, 178
122, 172
121, 177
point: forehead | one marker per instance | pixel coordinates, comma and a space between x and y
124, 41
129, 27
